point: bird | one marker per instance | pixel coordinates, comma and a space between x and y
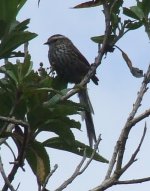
71, 66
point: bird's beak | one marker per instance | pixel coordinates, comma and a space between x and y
46, 43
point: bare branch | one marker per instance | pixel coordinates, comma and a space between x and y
78, 171
9, 129
141, 117
126, 130
120, 145
113, 161
74, 175
94, 151
48, 177
134, 181
131, 121
133, 157
14, 121
5, 177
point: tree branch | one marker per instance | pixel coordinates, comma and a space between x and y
126, 130
78, 171
120, 144
48, 177
132, 159
141, 117
131, 121
14, 121
134, 181
5, 177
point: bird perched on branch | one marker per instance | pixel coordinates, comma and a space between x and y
71, 66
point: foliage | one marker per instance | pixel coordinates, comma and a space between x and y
33, 97
33, 101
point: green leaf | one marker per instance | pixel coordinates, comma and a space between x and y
38, 160
56, 98
89, 4
99, 39
134, 12
76, 147
130, 13
37, 115
10, 71
61, 127
3, 26
68, 107
8, 10
22, 26
6, 103
26, 67
116, 7
59, 84
14, 40
133, 25
21, 4
138, 11
145, 6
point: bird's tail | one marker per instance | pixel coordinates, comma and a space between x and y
87, 115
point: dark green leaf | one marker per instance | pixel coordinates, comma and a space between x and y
26, 67
61, 127
116, 7
138, 11
134, 12
38, 160
76, 147
8, 10
22, 26
10, 71
145, 5
89, 4
3, 26
130, 13
56, 98
59, 84
133, 25
99, 39
68, 108
14, 40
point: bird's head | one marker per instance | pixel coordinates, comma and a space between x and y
55, 38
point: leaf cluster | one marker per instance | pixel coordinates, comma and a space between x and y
33, 99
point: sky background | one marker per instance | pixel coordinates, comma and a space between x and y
112, 100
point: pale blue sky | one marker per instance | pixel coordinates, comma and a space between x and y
112, 99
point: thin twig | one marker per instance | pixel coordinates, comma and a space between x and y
9, 129
5, 177
19, 162
133, 157
14, 121
48, 177
126, 130
120, 144
92, 156
141, 117
78, 171
74, 175
134, 181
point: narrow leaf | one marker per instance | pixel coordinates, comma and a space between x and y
89, 4
38, 160
76, 148
135, 71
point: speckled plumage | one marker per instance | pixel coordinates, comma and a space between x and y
72, 66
